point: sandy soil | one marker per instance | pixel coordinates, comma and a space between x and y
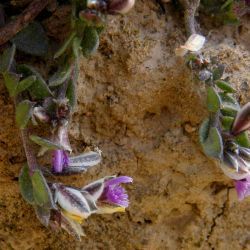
142, 107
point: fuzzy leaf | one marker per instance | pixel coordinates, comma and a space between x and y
7, 58
45, 143
25, 83
203, 131
25, 185
243, 140
227, 98
213, 100
43, 215
227, 122
32, 40
213, 145
225, 86
90, 41
23, 113
70, 94
229, 110
41, 191
11, 81
60, 76
39, 89
66, 44
218, 72
76, 47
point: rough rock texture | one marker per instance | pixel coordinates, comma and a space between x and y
140, 105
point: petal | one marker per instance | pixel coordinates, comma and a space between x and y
118, 180
85, 160
106, 209
242, 188
194, 43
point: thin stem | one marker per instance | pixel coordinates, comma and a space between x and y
30, 155
28, 15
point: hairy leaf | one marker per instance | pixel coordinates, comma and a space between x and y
60, 76
203, 131
213, 145
70, 94
43, 215
32, 40
39, 89
227, 122
23, 113
25, 185
11, 82
225, 86
45, 143
218, 72
25, 84
7, 58
243, 140
90, 41
213, 100
41, 192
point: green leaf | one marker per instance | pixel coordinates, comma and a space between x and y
218, 72
23, 113
90, 41
60, 76
225, 86
39, 89
25, 83
45, 143
11, 81
7, 59
70, 94
43, 215
32, 40
25, 185
213, 100
228, 109
226, 98
243, 140
203, 131
227, 122
41, 192
213, 145
66, 44
76, 47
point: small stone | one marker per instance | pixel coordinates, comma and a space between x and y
189, 128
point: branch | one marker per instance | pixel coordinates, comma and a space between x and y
28, 15
190, 7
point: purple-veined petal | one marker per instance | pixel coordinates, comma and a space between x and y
118, 180
88, 159
60, 160
242, 120
243, 188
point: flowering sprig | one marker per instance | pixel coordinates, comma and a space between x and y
223, 136
48, 103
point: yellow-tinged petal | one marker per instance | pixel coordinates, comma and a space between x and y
73, 217
109, 209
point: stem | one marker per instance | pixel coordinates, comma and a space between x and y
190, 7
28, 15
30, 155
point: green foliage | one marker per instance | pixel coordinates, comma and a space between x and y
45, 143
41, 192
90, 41
25, 84
60, 76
7, 58
243, 140
23, 113
213, 100
39, 89
32, 40
11, 82
225, 86
25, 185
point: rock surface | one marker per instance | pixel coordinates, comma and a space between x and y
142, 107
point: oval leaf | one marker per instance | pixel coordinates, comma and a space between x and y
45, 143
90, 41
43, 215
23, 113
7, 59
25, 83
25, 185
225, 86
213, 145
218, 72
11, 82
227, 122
32, 40
41, 192
39, 89
203, 131
60, 76
213, 100
243, 140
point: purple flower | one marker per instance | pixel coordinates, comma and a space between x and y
60, 160
115, 194
243, 188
